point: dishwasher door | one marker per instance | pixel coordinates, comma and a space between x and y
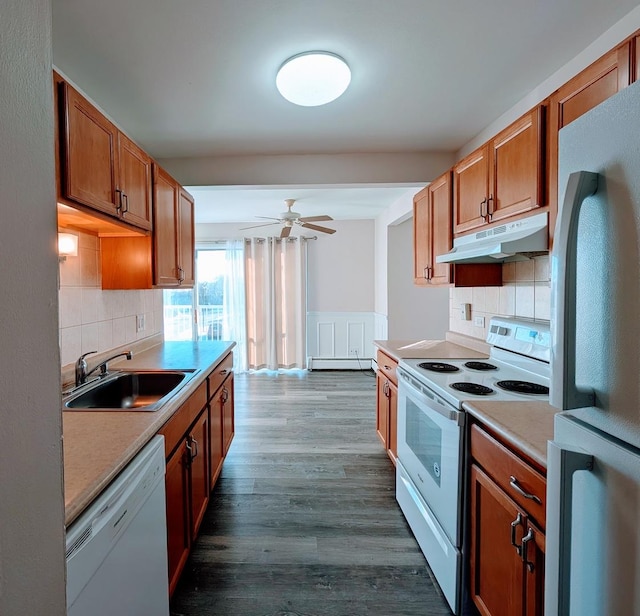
117, 549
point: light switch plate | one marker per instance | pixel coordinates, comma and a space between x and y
478, 321
465, 309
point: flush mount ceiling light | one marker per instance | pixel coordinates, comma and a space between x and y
313, 78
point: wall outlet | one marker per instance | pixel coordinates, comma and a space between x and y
353, 351
478, 321
139, 322
465, 310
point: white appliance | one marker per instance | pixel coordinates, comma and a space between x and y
117, 549
430, 482
593, 482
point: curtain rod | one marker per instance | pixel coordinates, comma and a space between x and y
280, 239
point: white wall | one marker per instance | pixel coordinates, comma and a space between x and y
607, 41
31, 496
340, 268
340, 265
369, 168
414, 312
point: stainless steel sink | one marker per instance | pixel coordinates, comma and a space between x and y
128, 390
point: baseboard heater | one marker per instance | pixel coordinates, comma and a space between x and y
339, 363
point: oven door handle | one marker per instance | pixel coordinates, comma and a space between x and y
429, 399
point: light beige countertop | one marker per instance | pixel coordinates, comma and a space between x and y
97, 445
527, 426
427, 349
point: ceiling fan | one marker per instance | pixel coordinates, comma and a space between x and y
290, 218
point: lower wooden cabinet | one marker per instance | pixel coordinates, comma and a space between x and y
507, 542
228, 423
177, 495
387, 404
221, 425
196, 442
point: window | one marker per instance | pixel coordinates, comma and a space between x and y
206, 301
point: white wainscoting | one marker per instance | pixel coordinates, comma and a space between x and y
340, 340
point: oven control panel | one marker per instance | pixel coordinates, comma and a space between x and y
531, 338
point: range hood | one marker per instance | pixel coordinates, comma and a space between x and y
508, 241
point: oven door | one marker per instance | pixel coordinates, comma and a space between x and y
430, 448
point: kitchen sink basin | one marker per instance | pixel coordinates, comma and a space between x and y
135, 390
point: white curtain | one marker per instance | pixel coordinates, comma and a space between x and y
233, 320
276, 300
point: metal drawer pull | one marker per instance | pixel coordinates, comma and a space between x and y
525, 545
517, 522
513, 482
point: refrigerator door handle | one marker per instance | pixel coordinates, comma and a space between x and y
562, 463
564, 391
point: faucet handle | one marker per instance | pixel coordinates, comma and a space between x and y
81, 368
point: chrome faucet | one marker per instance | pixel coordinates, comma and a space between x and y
81, 366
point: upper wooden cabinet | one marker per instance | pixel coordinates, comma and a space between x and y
432, 231
186, 238
134, 184
592, 86
502, 178
100, 167
174, 248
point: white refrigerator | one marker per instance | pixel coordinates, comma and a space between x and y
593, 482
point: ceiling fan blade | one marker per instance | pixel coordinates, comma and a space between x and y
318, 228
285, 232
268, 217
314, 218
266, 224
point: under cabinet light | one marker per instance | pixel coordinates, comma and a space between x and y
67, 246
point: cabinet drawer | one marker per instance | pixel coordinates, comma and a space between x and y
219, 374
511, 473
177, 426
387, 366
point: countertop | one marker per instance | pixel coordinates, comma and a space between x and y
98, 445
427, 349
527, 426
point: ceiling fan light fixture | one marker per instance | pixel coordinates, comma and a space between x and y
313, 78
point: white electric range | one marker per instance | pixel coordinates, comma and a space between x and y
430, 484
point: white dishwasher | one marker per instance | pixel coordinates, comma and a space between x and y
117, 549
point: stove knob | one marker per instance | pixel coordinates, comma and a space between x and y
436, 469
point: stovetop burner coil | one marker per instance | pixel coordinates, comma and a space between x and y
523, 387
472, 388
438, 366
480, 365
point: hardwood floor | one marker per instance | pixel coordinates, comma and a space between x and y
303, 520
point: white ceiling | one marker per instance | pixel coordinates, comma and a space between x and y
197, 77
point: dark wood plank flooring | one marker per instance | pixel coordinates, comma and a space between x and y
303, 520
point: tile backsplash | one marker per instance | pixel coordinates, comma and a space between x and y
95, 320
526, 292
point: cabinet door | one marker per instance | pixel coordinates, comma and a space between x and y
165, 229
186, 241
441, 233
382, 409
517, 155
198, 451
393, 422
591, 87
135, 183
497, 570
534, 555
216, 445
90, 154
178, 529
228, 424
421, 238
471, 191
